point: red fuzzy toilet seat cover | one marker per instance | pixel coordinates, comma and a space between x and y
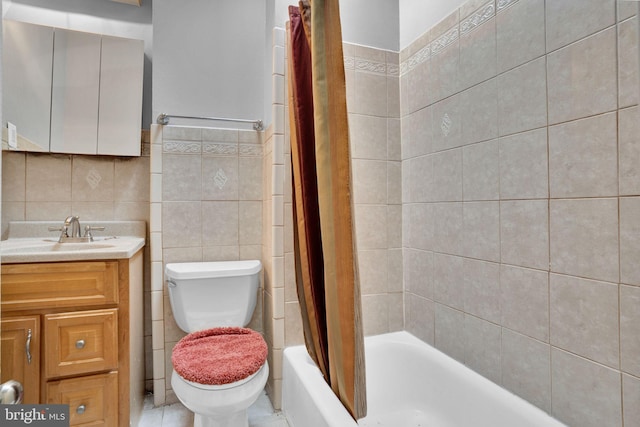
219, 355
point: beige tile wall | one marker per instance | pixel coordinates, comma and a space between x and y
373, 104
206, 205
521, 200
277, 196
52, 186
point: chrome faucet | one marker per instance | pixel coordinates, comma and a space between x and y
74, 223
70, 231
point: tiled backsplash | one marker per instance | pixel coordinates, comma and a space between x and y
54, 186
521, 207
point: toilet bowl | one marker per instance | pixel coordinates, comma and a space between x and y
220, 367
218, 406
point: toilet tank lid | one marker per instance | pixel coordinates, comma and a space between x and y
199, 270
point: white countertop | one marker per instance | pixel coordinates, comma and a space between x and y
24, 245
25, 250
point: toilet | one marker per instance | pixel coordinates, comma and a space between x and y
219, 368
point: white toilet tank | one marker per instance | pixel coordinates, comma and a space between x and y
212, 294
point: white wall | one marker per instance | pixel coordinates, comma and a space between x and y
103, 17
214, 58
417, 16
270, 23
366, 22
209, 58
372, 23
281, 11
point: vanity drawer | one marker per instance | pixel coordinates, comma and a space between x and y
92, 400
59, 285
80, 342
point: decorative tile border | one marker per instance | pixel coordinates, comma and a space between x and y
503, 4
254, 150
442, 42
371, 66
478, 18
220, 148
181, 147
366, 66
349, 63
475, 20
416, 59
393, 70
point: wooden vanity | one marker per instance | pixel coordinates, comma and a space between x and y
72, 333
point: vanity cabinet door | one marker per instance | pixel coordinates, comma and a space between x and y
75, 92
27, 57
21, 354
120, 111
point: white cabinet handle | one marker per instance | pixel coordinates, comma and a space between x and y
80, 409
80, 344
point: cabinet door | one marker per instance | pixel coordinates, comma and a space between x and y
21, 354
120, 112
74, 94
27, 60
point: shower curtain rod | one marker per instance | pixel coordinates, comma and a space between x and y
163, 119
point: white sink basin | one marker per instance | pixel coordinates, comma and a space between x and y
56, 247
47, 249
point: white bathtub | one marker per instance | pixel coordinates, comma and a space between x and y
409, 383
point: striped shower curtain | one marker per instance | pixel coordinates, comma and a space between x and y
325, 254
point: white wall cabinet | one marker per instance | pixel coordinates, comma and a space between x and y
27, 57
75, 92
120, 107
92, 100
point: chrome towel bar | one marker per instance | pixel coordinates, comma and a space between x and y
163, 119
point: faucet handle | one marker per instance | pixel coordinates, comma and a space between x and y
63, 232
88, 229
